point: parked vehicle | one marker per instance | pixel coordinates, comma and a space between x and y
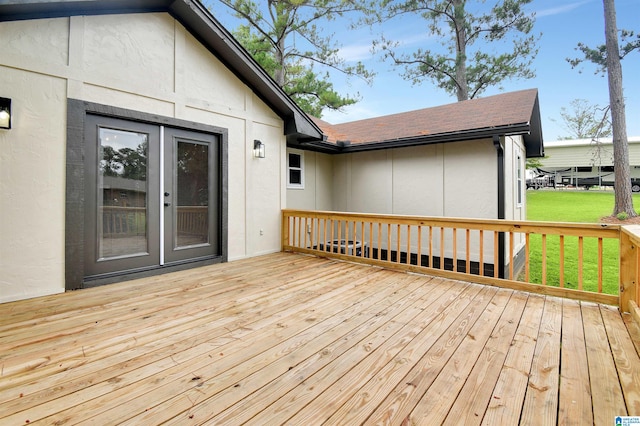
579, 177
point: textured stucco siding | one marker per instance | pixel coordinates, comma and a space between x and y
142, 62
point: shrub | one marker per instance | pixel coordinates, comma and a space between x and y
622, 216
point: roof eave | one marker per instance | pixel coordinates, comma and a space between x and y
202, 25
458, 136
199, 21
533, 141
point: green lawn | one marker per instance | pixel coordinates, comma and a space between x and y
573, 206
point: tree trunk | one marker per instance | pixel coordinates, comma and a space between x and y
462, 90
622, 185
279, 75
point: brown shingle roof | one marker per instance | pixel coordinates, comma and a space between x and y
508, 113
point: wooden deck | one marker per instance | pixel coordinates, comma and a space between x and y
294, 339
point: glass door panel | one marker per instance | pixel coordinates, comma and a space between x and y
190, 195
122, 188
192, 186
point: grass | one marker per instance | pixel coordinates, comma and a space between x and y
573, 206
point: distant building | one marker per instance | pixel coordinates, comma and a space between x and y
583, 163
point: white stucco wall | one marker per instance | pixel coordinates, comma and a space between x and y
428, 180
144, 62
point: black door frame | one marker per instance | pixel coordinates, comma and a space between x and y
77, 111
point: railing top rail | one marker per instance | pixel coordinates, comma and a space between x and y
535, 227
633, 231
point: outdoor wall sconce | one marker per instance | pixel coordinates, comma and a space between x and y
258, 149
5, 113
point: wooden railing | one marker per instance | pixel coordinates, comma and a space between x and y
193, 220
123, 221
630, 270
128, 221
561, 259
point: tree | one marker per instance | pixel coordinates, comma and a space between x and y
585, 120
533, 163
628, 39
285, 38
464, 71
610, 57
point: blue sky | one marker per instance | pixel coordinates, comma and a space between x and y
562, 23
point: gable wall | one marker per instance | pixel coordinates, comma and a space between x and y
143, 62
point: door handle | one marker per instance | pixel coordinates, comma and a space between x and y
167, 204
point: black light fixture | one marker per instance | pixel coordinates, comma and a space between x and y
5, 113
258, 149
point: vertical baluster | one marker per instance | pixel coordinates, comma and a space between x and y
600, 265
454, 233
339, 239
511, 248
388, 242
294, 230
286, 226
370, 240
312, 236
441, 247
544, 259
419, 255
468, 253
408, 244
496, 257
362, 251
305, 232
481, 269
379, 239
527, 257
398, 233
580, 261
430, 246
561, 261
327, 234
355, 237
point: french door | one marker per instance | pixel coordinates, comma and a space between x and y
151, 196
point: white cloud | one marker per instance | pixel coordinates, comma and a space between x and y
358, 111
356, 52
561, 9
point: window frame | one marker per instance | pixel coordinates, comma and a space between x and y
300, 169
519, 180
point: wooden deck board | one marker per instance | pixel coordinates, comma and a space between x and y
541, 401
608, 401
575, 405
472, 401
295, 339
508, 396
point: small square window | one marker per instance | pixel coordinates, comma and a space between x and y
295, 177
295, 170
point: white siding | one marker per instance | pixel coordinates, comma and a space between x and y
576, 153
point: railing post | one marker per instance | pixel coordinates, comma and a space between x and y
285, 229
629, 238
